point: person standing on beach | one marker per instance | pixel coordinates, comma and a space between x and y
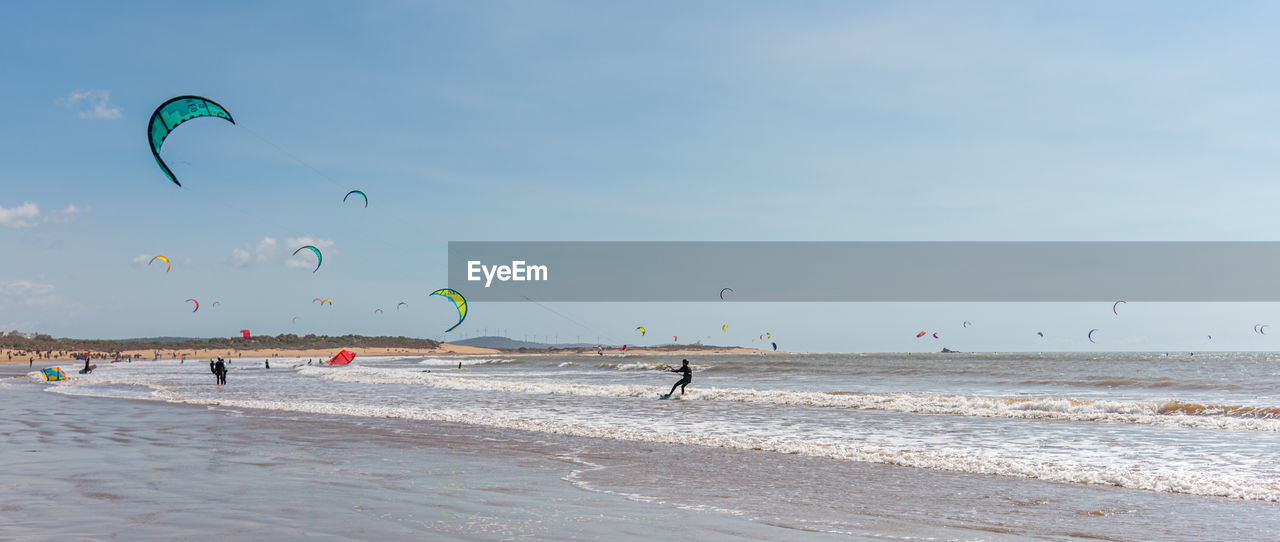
684, 380
222, 372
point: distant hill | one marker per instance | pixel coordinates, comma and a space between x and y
161, 340
503, 343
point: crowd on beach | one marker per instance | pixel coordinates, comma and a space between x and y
61, 355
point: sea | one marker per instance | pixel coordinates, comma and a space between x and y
772, 446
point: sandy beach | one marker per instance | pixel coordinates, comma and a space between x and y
15, 356
445, 349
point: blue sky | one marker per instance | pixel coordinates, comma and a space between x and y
601, 121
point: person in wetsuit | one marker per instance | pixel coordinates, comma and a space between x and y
684, 380
221, 370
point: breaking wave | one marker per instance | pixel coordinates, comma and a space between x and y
1159, 413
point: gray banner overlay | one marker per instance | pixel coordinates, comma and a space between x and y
866, 271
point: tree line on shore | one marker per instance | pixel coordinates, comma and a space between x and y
38, 342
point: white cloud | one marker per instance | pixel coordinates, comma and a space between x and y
306, 259
92, 104
24, 294
28, 214
251, 255
22, 216
65, 215
240, 258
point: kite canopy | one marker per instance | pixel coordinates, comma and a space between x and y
53, 373
366, 198
319, 257
402, 303
173, 113
641, 330
244, 333
1091, 332
724, 328
197, 305
723, 290
344, 357
1117, 304
775, 345
459, 302
163, 259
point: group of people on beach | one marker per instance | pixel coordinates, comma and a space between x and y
219, 369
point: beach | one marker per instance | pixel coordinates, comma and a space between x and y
17, 356
578, 446
21, 356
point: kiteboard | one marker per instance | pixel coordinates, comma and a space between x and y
664, 396
89, 370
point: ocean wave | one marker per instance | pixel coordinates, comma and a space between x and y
634, 366
1162, 479
1132, 383
1160, 413
454, 361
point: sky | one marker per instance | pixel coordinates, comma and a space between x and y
594, 121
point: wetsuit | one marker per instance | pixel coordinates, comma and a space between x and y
684, 380
222, 372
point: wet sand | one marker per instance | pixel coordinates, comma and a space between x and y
80, 468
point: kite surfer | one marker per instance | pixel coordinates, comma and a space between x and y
684, 380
